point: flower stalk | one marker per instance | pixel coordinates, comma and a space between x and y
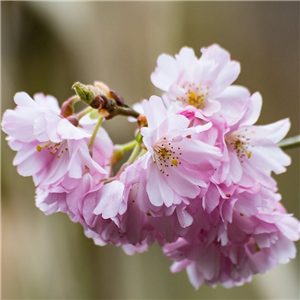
84, 112
92, 140
290, 143
119, 151
135, 152
128, 146
133, 156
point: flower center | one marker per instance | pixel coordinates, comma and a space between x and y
194, 96
241, 146
166, 155
54, 148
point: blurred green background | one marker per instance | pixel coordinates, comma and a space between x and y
47, 46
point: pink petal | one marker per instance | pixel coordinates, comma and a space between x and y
154, 110
153, 185
68, 131
47, 101
233, 101
23, 99
196, 278
110, 199
165, 73
253, 111
186, 58
211, 198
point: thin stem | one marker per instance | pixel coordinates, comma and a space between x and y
128, 146
130, 160
290, 143
74, 99
92, 139
119, 151
142, 152
84, 112
135, 152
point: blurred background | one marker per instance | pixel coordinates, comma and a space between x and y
47, 46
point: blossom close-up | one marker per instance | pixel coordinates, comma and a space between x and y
198, 180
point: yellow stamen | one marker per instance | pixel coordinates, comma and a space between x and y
257, 249
239, 144
246, 152
40, 147
192, 95
175, 162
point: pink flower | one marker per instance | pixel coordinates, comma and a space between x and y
110, 213
252, 151
252, 245
53, 198
123, 202
52, 150
202, 83
47, 144
176, 166
107, 214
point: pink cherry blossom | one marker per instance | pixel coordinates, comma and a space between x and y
252, 150
252, 245
202, 83
110, 213
177, 165
198, 180
47, 145
52, 150
120, 202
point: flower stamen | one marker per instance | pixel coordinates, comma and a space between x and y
53, 148
166, 156
194, 96
40, 147
241, 145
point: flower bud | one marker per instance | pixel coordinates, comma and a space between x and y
118, 98
73, 120
84, 92
67, 108
117, 155
102, 87
142, 121
99, 102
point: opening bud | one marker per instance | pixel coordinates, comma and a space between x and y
102, 87
84, 92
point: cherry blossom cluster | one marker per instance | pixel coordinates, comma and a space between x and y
198, 179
